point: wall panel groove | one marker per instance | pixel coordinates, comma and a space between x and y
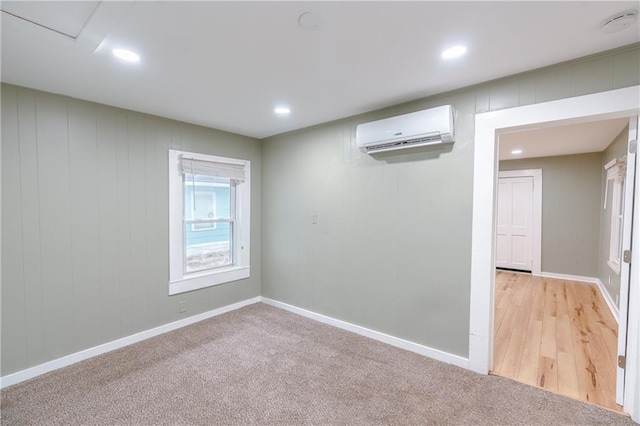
31, 226
13, 293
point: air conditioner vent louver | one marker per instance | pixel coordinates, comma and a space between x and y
411, 143
429, 127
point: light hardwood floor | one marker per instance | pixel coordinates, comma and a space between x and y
557, 335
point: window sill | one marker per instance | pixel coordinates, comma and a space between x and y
615, 266
209, 279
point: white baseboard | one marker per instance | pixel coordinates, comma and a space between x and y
568, 277
607, 298
385, 338
591, 280
29, 373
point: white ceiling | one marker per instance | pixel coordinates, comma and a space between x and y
594, 136
228, 64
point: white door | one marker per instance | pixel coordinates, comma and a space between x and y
625, 267
515, 220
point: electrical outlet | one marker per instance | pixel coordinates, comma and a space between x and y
183, 306
314, 219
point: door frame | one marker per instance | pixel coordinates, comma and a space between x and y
617, 103
536, 219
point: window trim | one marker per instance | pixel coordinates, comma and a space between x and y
615, 172
179, 282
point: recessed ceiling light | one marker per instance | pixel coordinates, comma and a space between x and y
126, 55
454, 52
282, 110
516, 151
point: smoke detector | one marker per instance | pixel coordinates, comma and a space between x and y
310, 21
619, 21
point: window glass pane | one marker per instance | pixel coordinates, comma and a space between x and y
621, 198
203, 204
619, 239
208, 248
620, 222
206, 197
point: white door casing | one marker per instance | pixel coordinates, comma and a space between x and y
617, 103
625, 268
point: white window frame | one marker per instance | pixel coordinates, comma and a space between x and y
181, 282
615, 172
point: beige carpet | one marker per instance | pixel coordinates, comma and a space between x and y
262, 365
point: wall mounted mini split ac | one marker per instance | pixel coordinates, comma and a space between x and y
422, 128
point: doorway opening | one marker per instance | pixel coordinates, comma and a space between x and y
553, 328
489, 126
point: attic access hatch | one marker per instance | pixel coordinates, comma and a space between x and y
427, 127
67, 18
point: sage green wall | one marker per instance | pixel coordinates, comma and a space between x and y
392, 247
570, 211
609, 278
85, 239
85, 217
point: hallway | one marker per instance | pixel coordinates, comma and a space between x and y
557, 335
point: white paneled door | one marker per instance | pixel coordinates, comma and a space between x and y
626, 284
515, 223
